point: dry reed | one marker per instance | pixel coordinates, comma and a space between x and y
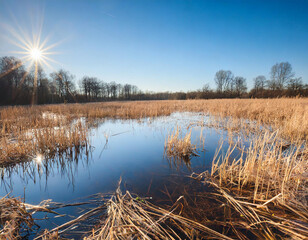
178, 148
16, 217
266, 184
26, 131
52, 136
13, 218
267, 168
131, 217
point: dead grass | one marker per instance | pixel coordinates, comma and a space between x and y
27, 131
266, 184
289, 114
271, 219
51, 135
16, 217
266, 168
263, 189
216, 214
13, 218
179, 149
130, 217
135, 218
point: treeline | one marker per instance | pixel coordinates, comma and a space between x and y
17, 86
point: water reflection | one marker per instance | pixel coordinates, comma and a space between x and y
64, 165
133, 149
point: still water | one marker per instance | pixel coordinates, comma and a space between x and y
131, 149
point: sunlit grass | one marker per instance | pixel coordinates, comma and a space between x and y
260, 189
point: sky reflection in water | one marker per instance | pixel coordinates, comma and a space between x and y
134, 150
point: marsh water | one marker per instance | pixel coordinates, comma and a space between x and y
130, 149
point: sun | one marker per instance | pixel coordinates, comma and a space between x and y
36, 54
33, 52
31, 48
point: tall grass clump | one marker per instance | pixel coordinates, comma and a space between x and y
178, 147
267, 167
266, 184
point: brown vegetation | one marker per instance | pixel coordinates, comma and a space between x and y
16, 217
261, 192
267, 185
44, 134
13, 218
267, 168
28, 130
178, 148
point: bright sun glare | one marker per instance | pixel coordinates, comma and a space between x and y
36, 54
33, 49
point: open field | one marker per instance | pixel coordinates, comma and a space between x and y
254, 189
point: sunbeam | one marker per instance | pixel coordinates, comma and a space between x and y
32, 48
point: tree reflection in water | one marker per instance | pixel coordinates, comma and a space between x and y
64, 164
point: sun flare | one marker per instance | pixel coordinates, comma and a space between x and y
32, 50
36, 54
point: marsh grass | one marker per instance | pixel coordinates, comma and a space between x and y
16, 219
266, 167
127, 216
13, 218
179, 148
52, 136
44, 129
130, 217
271, 219
266, 185
260, 192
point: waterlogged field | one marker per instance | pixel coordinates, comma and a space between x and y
223, 169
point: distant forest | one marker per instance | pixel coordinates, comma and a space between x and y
17, 86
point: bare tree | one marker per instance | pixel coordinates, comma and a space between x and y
281, 74
95, 87
85, 84
135, 90
259, 83
63, 81
295, 84
104, 90
206, 88
113, 89
127, 91
12, 75
120, 90
240, 86
223, 80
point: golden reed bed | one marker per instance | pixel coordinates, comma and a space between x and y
288, 114
26, 131
263, 194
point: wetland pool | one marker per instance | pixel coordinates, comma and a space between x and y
130, 149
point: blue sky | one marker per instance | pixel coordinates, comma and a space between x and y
165, 45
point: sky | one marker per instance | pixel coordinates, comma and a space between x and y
162, 45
